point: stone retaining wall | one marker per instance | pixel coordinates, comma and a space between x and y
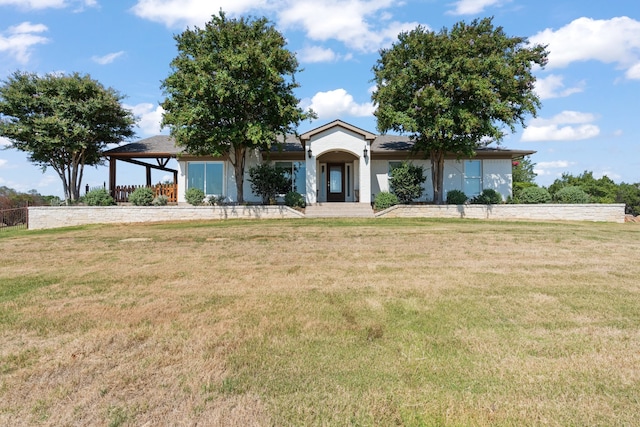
542, 212
67, 216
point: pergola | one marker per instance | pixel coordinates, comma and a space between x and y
160, 148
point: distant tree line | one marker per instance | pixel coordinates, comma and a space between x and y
11, 199
583, 188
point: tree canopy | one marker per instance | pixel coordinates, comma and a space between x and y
601, 190
231, 90
454, 91
63, 122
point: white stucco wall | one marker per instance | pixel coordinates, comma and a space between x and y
342, 140
453, 176
496, 174
380, 177
229, 184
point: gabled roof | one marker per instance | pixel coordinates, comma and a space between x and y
390, 144
164, 145
337, 123
159, 145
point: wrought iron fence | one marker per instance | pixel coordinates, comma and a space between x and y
13, 219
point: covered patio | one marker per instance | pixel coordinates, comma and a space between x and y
161, 149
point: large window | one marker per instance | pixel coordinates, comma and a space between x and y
472, 177
207, 176
297, 174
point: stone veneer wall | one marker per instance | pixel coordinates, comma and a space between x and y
542, 212
67, 216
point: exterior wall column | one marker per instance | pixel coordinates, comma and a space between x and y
365, 176
312, 176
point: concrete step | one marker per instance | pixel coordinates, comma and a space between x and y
339, 210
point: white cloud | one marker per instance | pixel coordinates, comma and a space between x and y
352, 22
317, 54
474, 7
4, 142
3, 163
615, 40
362, 25
20, 38
149, 117
553, 86
566, 126
46, 4
180, 13
556, 164
34, 4
608, 173
551, 168
633, 73
337, 103
108, 58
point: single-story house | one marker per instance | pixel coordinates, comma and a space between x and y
337, 162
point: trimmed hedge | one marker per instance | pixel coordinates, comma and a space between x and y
385, 200
456, 197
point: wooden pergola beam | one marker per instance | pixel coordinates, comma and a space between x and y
162, 162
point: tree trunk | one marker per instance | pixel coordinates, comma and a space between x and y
437, 175
238, 154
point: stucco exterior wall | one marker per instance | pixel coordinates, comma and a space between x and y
544, 212
338, 139
63, 216
229, 184
496, 174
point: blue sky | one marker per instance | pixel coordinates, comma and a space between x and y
589, 120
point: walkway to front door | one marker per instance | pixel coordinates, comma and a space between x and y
335, 182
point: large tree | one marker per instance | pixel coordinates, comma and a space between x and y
231, 90
455, 91
63, 122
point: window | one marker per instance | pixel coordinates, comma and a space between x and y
297, 173
472, 177
207, 176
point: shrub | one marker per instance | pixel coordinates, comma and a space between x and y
456, 197
406, 182
571, 194
98, 197
629, 194
385, 200
161, 200
294, 200
533, 195
194, 196
213, 200
141, 196
489, 196
267, 181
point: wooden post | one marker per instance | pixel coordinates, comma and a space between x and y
112, 176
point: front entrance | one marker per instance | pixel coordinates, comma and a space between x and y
335, 182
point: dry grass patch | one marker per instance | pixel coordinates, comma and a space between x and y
407, 322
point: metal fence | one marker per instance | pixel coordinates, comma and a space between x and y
13, 219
